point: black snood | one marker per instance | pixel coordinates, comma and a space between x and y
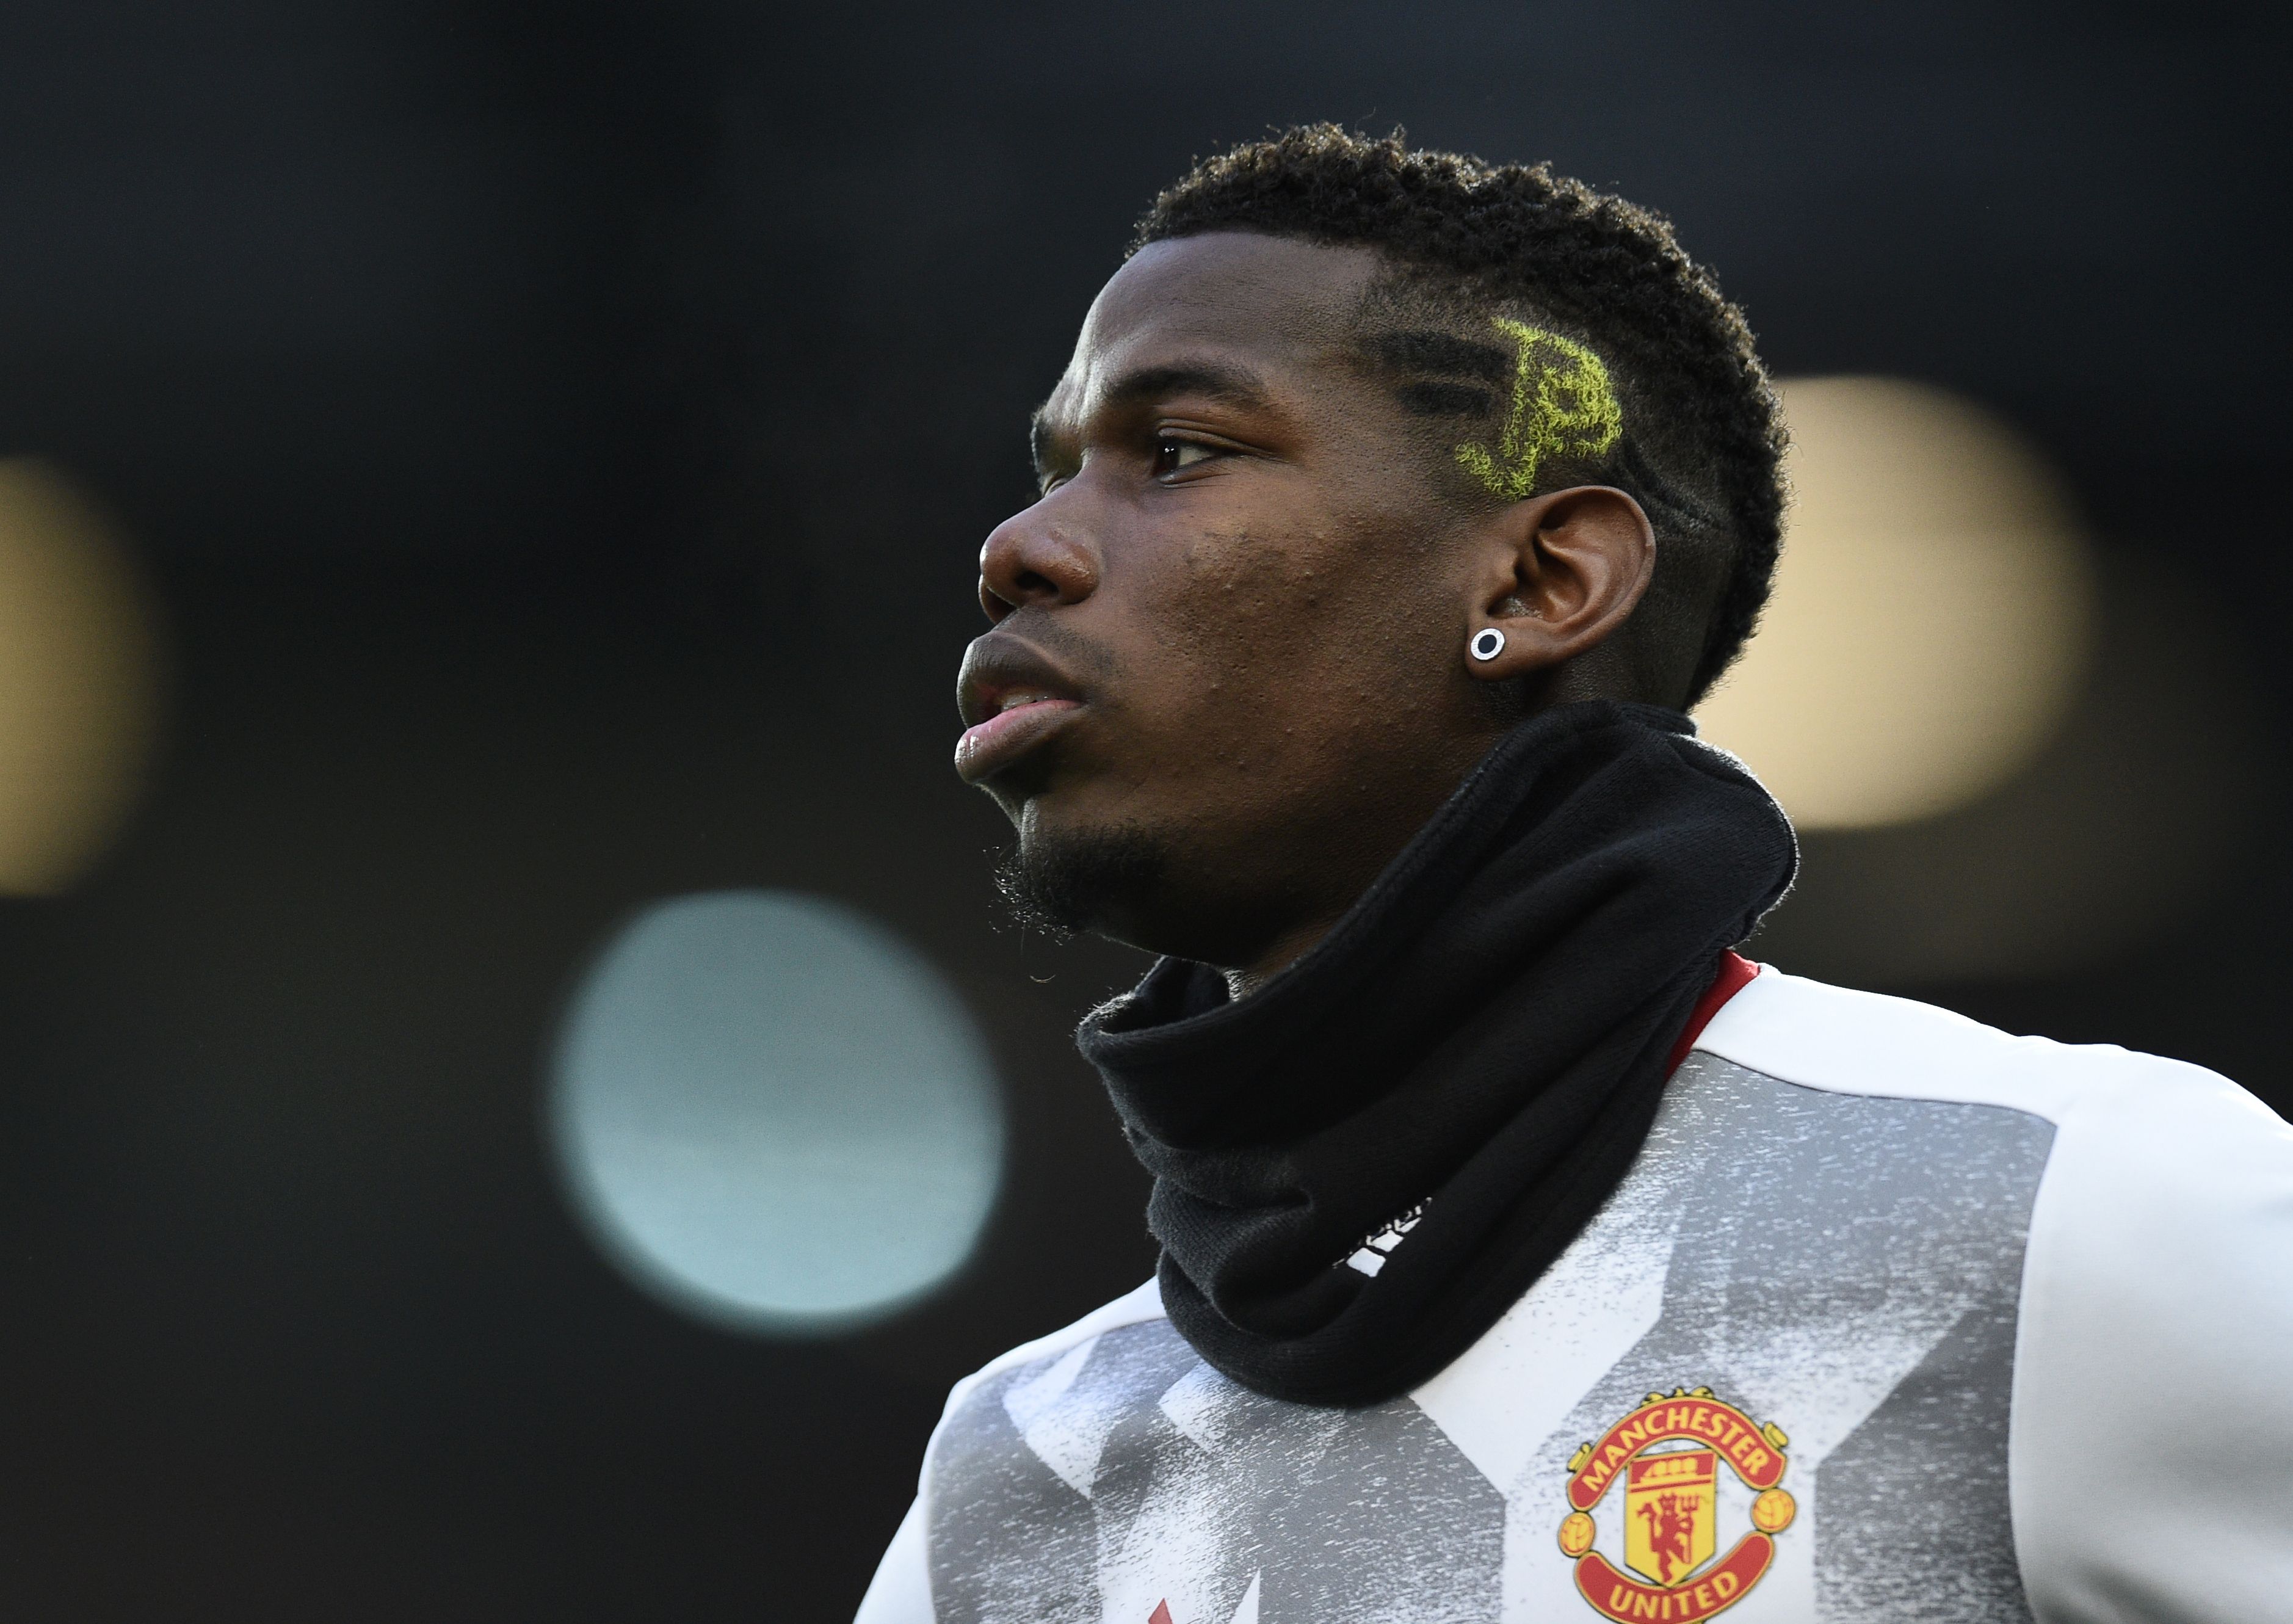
1481, 1042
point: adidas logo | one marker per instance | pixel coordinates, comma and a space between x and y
1371, 1256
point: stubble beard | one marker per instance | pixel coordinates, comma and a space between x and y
1069, 884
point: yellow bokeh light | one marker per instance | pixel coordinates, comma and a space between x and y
78, 680
1934, 615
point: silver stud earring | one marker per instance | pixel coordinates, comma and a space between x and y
1487, 643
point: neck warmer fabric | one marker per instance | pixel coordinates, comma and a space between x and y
1463, 1069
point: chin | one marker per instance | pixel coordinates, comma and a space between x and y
1073, 881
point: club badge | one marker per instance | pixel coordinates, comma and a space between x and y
1667, 1455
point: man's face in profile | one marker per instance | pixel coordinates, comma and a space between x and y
1225, 660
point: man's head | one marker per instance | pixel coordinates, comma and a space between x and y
1345, 407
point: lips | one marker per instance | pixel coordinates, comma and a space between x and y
1014, 699
1001, 739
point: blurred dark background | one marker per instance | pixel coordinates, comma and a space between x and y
557, 441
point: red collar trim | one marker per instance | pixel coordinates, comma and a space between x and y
1734, 974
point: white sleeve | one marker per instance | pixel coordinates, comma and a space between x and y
2151, 1451
901, 1591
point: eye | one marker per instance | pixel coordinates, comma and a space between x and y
1176, 456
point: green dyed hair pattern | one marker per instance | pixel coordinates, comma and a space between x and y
1563, 407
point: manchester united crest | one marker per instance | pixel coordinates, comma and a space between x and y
1668, 1456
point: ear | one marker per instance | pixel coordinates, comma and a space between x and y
1562, 573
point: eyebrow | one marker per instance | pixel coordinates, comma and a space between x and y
1219, 381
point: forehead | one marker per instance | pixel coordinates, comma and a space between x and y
1267, 304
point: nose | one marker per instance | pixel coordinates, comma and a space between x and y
1035, 560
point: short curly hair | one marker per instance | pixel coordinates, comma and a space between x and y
1702, 442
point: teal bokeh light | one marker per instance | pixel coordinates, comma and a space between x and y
774, 1114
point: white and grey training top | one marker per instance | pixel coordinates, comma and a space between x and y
1895, 1318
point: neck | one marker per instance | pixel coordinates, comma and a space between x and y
1357, 855
1287, 950
1334, 859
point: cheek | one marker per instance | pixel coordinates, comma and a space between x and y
1275, 643
1239, 608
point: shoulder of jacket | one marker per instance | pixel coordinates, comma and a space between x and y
1145, 1303
1831, 1038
